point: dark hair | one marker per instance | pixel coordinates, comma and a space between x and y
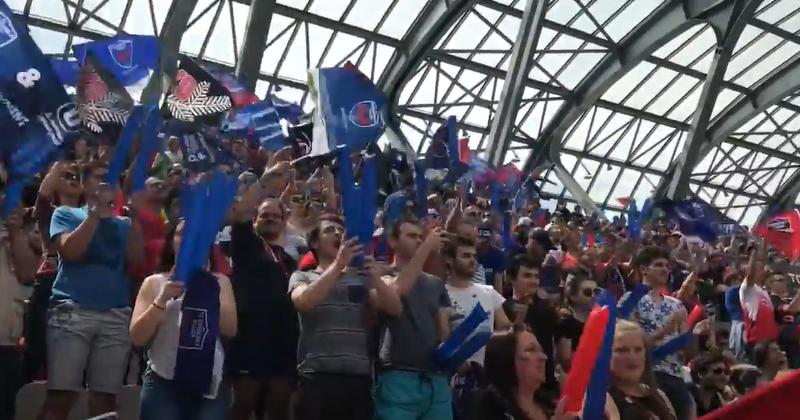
573, 284
88, 169
313, 236
501, 354
394, 231
761, 352
649, 254
522, 260
168, 252
281, 206
702, 362
452, 247
744, 378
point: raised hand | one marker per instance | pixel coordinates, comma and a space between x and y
103, 203
374, 269
348, 250
436, 239
169, 290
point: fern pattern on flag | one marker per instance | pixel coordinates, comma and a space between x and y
197, 104
101, 99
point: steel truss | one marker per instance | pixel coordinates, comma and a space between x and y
563, 125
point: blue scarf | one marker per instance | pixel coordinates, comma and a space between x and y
194, 362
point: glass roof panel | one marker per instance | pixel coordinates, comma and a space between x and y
626, 140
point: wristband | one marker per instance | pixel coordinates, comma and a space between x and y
162, 308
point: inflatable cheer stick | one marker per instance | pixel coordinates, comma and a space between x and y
585, 358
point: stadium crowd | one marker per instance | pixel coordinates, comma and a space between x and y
314, 325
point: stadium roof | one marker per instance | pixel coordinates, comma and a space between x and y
609, 98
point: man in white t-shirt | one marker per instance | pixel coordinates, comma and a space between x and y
464, 296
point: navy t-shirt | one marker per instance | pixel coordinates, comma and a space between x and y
100, 280
493, 261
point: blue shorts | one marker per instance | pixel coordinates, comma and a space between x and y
401, 395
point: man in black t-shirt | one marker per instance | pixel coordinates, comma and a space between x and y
261, 359
538, 313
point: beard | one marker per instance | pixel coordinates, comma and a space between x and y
268, 232
462, 270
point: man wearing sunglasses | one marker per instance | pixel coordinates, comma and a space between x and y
90, 309
580, 290
711, 377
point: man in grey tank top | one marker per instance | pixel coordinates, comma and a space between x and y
333, 301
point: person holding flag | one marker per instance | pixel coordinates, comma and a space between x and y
333, 301
87, 329
465, 295
410, 384
156, 323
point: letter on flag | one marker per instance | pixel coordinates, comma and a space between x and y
36, 115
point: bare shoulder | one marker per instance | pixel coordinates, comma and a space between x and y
222, 279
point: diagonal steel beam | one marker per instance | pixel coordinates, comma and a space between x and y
504, 122
433, 22
255, 38
728, 24
171, 35
666, 22
772, 90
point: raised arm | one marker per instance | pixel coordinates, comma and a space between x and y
382, 296
148, 312
306, 297
409, 274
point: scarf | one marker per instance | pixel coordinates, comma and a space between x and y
199, 330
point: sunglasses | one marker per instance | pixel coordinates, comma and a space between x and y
590, 292
69, 176
720, 371
485, 233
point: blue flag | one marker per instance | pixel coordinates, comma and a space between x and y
442, 153
634, 220
350, 109
693, 217
259, 122
130, 58
288, 111
68, 71
36, 114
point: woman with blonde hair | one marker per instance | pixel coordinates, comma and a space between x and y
633, 392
